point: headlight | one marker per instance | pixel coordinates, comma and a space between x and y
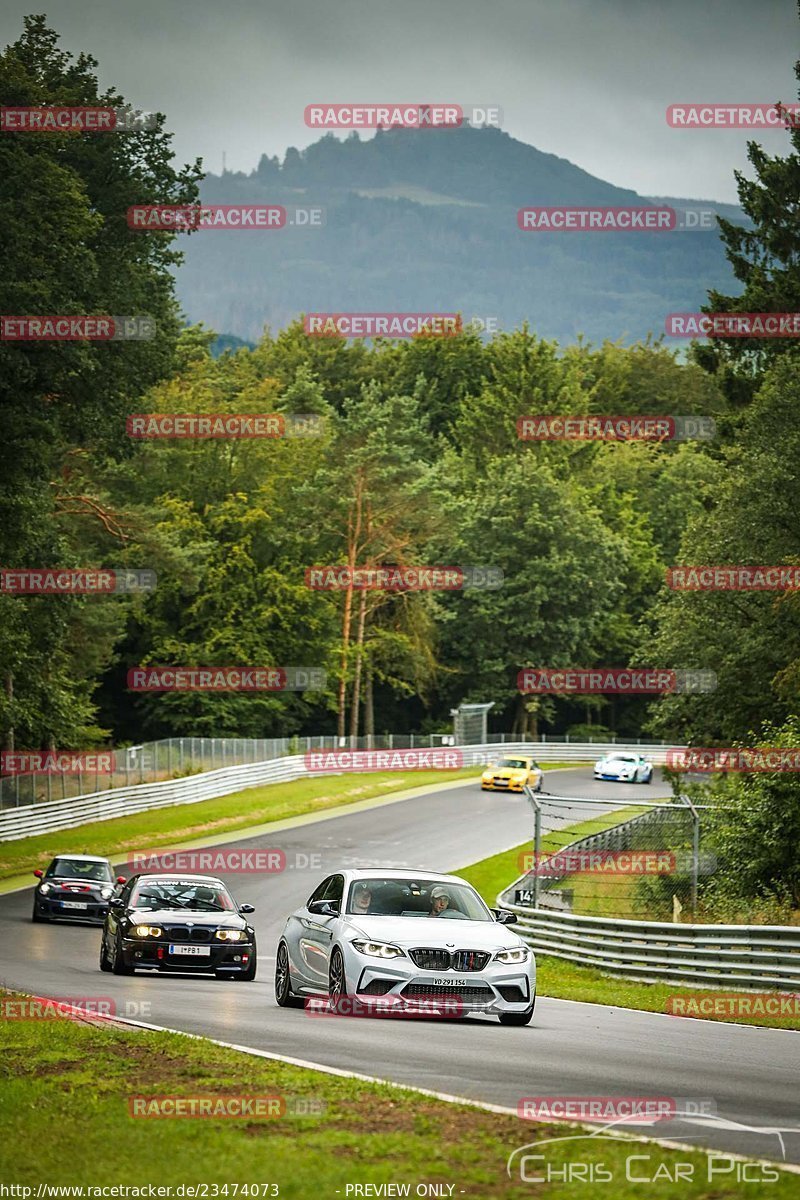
106, 893
379, 950
231, 935
146, 931
45, 888
519, 955
487, 775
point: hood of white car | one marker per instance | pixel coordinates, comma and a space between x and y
445, 932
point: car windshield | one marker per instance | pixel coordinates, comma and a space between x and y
519, 764
153, 894
621, 758
76, 868
416, 897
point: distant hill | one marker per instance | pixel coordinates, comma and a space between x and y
426, 221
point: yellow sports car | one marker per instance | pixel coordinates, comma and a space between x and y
511, 775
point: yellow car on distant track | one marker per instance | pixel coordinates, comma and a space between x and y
511, 775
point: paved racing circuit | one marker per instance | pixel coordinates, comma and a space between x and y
569, 1049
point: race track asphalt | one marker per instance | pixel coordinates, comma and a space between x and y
750, 1076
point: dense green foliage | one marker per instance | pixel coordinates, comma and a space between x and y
418, 463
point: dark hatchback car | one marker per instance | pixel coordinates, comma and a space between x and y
75, 887
186, 923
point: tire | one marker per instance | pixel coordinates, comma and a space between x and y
36, 915
118, 965
337, 982
105, 962
522, 1018
649, 778
284, 996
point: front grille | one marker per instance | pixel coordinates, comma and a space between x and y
430, 959
179, 933
469, 960
511, 993
433, 959
479, 992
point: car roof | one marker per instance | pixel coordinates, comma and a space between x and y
177, 877
81, 857
397, 873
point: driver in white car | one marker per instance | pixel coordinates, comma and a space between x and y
440, 900
362, 899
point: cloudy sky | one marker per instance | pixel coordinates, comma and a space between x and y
588, 80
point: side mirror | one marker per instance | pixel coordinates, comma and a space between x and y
116, 902
323, 908
121, 879
246, 908
504, 917
39, 874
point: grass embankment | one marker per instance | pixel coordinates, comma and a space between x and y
567, 981
65, 1120
209, 818
225, 814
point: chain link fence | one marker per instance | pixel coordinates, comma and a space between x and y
173, 758
643, 861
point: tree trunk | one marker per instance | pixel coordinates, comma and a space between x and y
520, 717
10, 698
369, 707
353, 534
356, 697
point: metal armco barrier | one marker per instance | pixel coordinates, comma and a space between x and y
121, 802
718, 956
732, 956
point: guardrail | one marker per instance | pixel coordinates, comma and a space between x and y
49, 816
733, 956
171, 758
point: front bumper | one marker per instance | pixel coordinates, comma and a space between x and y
155, 955
503, 785
496, 989
53, 908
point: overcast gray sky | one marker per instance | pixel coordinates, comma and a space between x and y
588, 80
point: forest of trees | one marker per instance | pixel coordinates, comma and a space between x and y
418, 463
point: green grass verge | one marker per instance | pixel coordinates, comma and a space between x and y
491, 875
567, 981
181, 823
194, 822
65, 1120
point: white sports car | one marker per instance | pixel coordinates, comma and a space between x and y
394, 941
626, 768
